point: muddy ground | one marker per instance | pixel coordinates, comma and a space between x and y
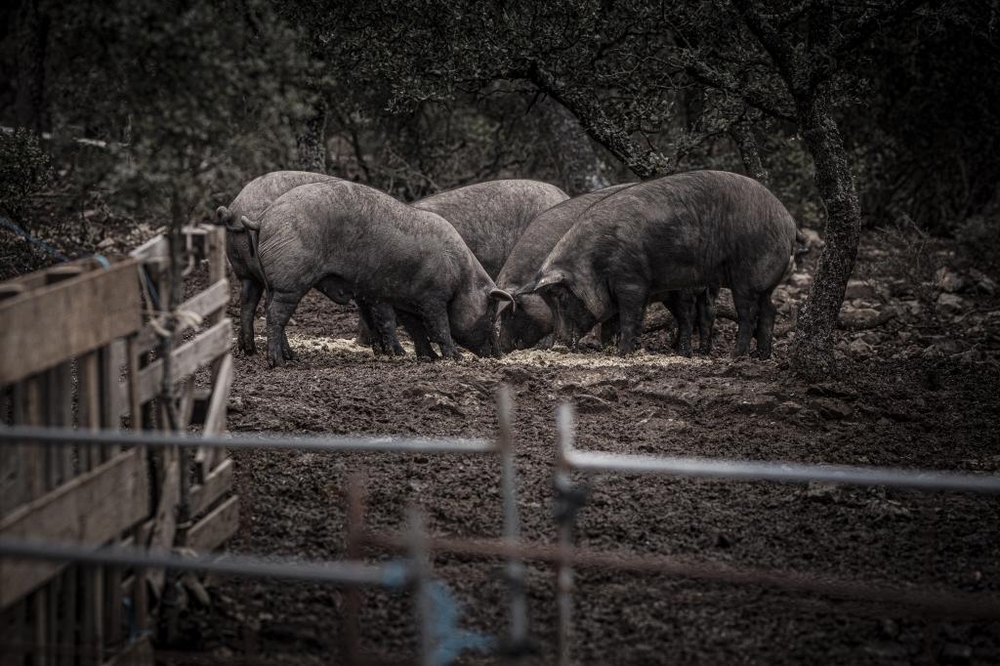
918, 389
920, 360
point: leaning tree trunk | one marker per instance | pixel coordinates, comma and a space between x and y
312, 142
746, 142
32, 38
812, 353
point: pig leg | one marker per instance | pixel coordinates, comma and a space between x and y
280, 306
416, 330
609, 331
681, 306
705, 315
631, 312
250, 292
746, 320
435, 318
380, 320
384, 318
765, 325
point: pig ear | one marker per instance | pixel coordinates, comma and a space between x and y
504, 298
253, 225
548, 280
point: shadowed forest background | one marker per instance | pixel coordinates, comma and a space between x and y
882, 115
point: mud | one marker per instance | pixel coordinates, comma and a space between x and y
896, 405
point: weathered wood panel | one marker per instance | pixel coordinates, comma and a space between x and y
216, 483
90, 509
203, 304
209, 532
67, 319
187, 358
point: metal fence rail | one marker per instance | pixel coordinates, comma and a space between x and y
415, 573
310, 443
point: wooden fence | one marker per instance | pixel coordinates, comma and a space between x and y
78, 348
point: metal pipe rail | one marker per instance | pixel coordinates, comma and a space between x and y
784, 472
313, 443
344, 573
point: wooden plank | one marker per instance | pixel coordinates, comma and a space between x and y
29, 412
215, 420
40, 278
92, 625
113, 605
39, 627
187, 358
212, 530
204, 303
215, 485
63, 320
152, 251
114, 394
67, 624
132, 390
89, 385
165, 520
90, 509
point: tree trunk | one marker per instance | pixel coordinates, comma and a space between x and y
812, 353
746, 142
578, 162
312, 142
32, 38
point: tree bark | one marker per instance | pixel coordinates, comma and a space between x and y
312, 142
746, 142
812, 353
32, 39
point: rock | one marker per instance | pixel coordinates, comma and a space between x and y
831, 409
810, 238
948, 280
983, 282
106, 243
862, 318
949, 304
860, 348
860, 289
236, 405
801, 280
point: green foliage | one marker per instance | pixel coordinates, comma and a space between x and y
25, 170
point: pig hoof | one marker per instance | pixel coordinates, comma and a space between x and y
397, 350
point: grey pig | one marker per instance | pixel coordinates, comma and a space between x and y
490, 217
691, 230
353, 241
252, 201
531, 320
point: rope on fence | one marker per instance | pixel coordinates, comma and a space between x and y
40, 244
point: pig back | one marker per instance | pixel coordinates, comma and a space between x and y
491, 217
377, 244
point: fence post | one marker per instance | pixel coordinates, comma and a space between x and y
423, 607
565, 516
356, 499
516, 593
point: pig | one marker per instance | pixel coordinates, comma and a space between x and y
531, 320
691, 230
352, 241
252, 201
490, 217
